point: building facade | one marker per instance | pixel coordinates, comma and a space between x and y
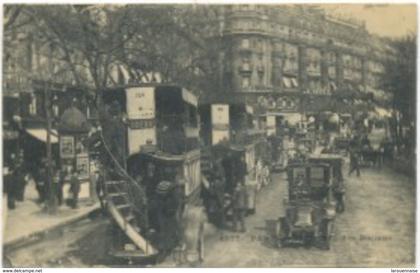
284, 57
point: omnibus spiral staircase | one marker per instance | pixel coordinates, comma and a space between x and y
120, 199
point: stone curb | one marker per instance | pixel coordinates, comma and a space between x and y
38, 235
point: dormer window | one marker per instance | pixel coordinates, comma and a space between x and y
245, 43
246, 82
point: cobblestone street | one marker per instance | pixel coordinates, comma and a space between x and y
377, 228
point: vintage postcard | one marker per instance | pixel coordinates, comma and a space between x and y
258, 135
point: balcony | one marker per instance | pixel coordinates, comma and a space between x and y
245, 68
313, 71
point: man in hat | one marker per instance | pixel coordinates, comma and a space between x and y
354, 161
217, 189
41, 181
167, 213
19, 173
179, 199
100, 187
61, 177
239, 206
193, 218
75, 188
8, 187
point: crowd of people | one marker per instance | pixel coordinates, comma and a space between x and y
49, 183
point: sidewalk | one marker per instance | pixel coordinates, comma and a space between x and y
29, 220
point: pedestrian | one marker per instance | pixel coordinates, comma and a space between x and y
92, 185
100, 189
40, 183
62, 176
19, 179
75, 188
365, 142
8, 187
193, 219
354, 161
55, 179
339, 197
167, 213
266, 175
240, 170
217, 189
259, 174
239, 206
179, 197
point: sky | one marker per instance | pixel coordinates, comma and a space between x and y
389, 20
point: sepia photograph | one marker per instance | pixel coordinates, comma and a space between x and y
229, 135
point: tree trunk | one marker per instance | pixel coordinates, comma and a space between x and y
51, 203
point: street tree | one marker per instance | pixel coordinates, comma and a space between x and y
400, 79
85, 43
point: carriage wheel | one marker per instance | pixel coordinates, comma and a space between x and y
281, 233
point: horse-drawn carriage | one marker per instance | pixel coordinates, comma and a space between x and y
277, 153
310, 210
231, 152
229, 164
372, 150
307, 144
341, 144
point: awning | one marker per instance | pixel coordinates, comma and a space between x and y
286, 82
292, 118
370, 89
249, 109
125, 73
333, 86
119, 73
10, 134
151, 77
41, 134
189, 97
382, 112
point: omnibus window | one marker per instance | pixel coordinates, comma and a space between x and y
192, 116
317, 173
297, 172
